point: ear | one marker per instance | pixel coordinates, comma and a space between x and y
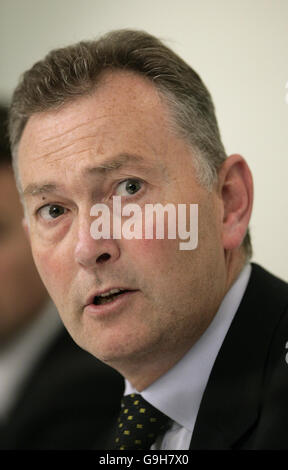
236, 193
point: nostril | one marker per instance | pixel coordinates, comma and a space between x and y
103, 258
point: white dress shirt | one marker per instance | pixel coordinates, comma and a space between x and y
20, 355
178, 393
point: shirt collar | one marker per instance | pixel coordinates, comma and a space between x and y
188, 378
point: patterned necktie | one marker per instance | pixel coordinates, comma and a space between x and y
139, 424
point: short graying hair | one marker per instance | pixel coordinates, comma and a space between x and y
74, 71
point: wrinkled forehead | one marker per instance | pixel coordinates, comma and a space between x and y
124, 114
118, 94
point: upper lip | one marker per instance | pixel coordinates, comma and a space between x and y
91, 297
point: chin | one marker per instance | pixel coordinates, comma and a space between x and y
113, 355
119, 352
119, 340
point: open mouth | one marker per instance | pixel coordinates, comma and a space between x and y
109, 296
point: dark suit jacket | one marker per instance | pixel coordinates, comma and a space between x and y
68, 402
245, 403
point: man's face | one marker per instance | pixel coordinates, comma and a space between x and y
176, 293
21, 290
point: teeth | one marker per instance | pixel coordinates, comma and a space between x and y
112, 291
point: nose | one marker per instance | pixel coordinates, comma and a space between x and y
91, 253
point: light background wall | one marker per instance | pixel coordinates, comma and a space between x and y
240, 49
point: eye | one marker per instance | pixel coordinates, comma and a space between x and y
128, 187
51, 211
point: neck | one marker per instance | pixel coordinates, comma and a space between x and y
234, 263
146, 369
149, 370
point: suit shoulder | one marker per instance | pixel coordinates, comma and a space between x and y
263, 279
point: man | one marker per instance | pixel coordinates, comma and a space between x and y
198, 334
53, 395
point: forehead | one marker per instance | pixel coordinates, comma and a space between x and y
125, 114
122, 97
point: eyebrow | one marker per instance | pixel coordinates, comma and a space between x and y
117, 163
108, 166
34, 189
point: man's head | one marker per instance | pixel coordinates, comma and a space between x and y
21, 291
86, 122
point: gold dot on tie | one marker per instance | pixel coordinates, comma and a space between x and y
142, 410
139, 426
120, 425
138, 441
122, 448
127, 433
117, 439
130, 417
153, 420
125, 411
136, 402
132, 395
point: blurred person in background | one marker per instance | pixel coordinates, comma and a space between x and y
49, 388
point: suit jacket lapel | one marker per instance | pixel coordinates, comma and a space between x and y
231, 401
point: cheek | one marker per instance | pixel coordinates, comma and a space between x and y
152, 258
144, 249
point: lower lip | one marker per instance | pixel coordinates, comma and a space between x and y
110, 307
